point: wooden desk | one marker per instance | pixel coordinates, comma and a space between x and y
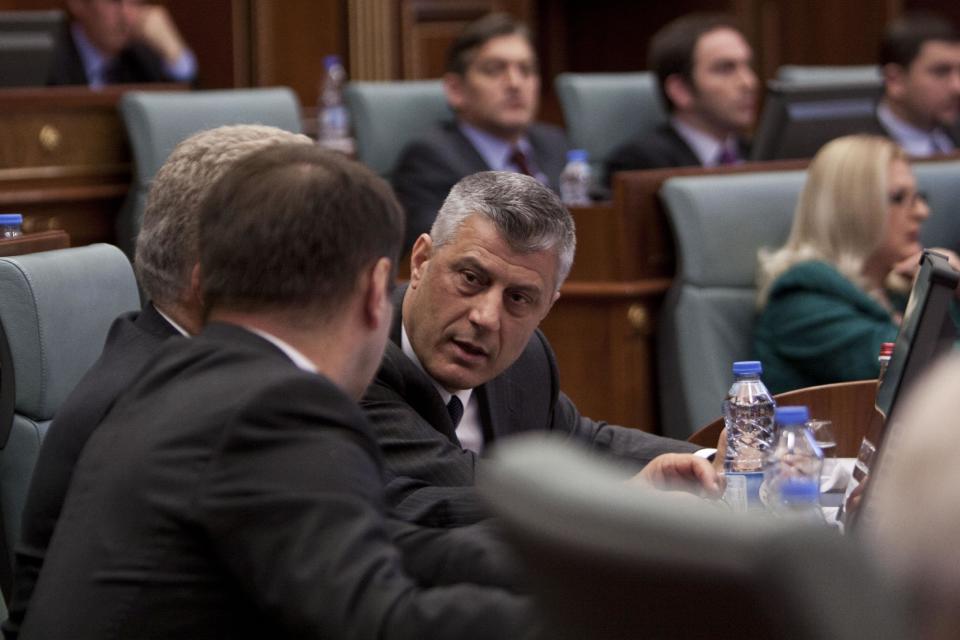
34, 242
64, 158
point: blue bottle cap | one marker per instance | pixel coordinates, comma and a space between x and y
577, 155
330, 60
747, 366
799, 491
11, 218
791, 415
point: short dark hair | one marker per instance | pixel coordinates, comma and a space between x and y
478, 33
291, 228
671, 49
904, 37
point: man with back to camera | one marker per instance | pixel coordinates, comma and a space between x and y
467, 367
920, 61
166, 258
235, 490
707, 82
120, 41
492, 83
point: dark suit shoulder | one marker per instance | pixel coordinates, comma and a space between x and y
657, 149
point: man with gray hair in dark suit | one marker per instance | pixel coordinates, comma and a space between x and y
467, 366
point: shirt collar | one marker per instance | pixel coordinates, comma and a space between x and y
94, 62
407, 347
296, 356
704, 146
172, 322
914, 140
495, 151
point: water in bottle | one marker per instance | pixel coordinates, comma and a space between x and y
333, 125
575, 179
792, 475
748, 416
11, 225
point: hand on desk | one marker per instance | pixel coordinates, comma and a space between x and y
682, 472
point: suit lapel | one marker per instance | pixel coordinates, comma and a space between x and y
472, 160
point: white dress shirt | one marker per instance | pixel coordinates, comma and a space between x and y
704, 146
915, 141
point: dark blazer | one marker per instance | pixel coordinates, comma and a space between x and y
660, 148
229, 494
434, 476
133, 339
429, 166
137, 63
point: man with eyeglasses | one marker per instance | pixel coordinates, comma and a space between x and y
492, 84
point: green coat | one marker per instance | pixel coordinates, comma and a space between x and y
818, 328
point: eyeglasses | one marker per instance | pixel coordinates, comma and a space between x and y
902, 197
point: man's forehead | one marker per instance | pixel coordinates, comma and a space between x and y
507, 46
479, 241
721, 42
933, 51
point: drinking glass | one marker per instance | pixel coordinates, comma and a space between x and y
823, 435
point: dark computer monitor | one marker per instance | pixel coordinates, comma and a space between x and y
799, 119
28, 41
926, 333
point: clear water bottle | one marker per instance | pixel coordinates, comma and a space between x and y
11, 225
333, 122
575, 179
748, 416
792, 475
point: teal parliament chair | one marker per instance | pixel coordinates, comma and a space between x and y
609, 560
719, 222
157, 120
55, 310
388, 115
941, 182
604, 110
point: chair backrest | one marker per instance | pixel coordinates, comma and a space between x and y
157, 121
719, 223
610, 560
388, 115
828, 74
941, 182
55, 310
604, 110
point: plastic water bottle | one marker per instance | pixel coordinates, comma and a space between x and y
748, 416
333, 124
792, 476
11, 225
575, 179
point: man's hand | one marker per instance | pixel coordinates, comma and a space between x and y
154, 27
682, 472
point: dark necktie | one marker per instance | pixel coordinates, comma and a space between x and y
726, 156
455, 409
519, 160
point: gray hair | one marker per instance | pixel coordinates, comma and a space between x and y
167, 242
528, 215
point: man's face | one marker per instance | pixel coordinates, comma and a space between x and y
928, 91
723, 96
108, 23
500, 89
474, 303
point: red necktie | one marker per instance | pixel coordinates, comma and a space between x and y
519, 160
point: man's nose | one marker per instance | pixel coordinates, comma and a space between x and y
486, 309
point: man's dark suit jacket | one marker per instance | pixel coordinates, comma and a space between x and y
133, 339
660, 148
137, 63
429, 166
434, 476
229, 494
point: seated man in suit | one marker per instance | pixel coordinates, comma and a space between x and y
467, 365
493, 85
703, 66
235, 489
120, 41
165, 264
920, 108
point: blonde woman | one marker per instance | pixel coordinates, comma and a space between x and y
837, 289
